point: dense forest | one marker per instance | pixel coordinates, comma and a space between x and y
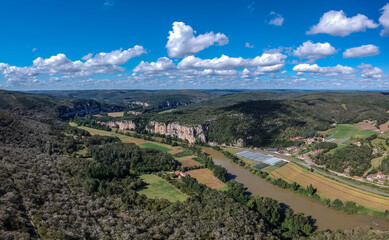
270, 119
58, 182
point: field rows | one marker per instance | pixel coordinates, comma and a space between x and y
329, 188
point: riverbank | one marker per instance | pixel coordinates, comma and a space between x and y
326, 218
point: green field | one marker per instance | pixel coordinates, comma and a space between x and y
94, 131
347, 131
344, 131
155, 146
159, 188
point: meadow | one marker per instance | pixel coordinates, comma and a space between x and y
329, 188
155, 146
349, 131
159, 188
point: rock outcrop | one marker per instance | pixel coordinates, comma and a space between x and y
190, 133
122, 125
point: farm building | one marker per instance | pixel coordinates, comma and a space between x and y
379, 176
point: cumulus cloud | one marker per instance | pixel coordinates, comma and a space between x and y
87, 57
276, 19
248, 45
370, 72
384, 20
316, 69
314, 51
102, 63
182, 42
336, 23
226, 62
362, 51
162, 64
269, 69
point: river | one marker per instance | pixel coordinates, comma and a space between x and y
326, 218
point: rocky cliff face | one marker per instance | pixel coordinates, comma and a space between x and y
122, 125
190, 133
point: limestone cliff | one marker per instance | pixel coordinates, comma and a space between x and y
122, 125
190, 133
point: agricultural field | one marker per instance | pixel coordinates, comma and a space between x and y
205, 176
272, 168
384, 127
188, 161
155, 146
115, 114
159, 188
94, 131
349, 131
329, 188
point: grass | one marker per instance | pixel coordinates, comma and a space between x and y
155, 146
205, 176
331, 189
349, 131
344, 131
269, 169
159, 188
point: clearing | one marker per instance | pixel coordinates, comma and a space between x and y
159, 188
329, 188
115, 114
205, 176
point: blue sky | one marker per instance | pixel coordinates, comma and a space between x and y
117, 44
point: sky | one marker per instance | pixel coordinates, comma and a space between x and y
237, 44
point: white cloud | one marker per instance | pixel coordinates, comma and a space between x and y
87, 57
371, 72
314, 68
384, 20
162, 64
269, 69
182, 42
102, 63
314, 51
276, 19
248, 45
362, 51
336, 23
226, 62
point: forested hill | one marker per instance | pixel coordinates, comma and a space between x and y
272, 118
142, 100
46, 107
49, 192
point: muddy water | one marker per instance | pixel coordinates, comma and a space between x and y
326, 218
